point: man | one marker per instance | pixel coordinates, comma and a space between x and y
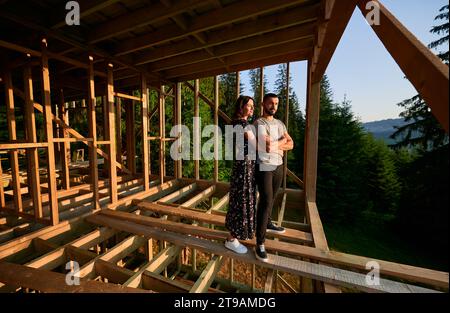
273, 140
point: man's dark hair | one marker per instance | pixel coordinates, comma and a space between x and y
269, 95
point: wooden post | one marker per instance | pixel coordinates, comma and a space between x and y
119, 130
238, 84
34, 182
261, 90
197, 150
216, 131
131, 138
179, 166
14, 154
2, 190
93, 164
112, 135
65, 146
162, 135
145, 143
105, 133
51, 170
286, 122
311, 138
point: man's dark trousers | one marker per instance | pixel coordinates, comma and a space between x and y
268, 184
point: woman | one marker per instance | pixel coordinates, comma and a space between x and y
241, 215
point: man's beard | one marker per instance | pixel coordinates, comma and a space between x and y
271, 113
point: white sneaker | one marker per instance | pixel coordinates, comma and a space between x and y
236, 246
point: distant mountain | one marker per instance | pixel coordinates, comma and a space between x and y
384, 129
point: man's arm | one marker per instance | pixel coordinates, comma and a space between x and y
287, 143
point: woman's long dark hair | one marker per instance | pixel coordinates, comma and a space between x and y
240, 103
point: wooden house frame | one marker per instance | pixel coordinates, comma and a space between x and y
107, 221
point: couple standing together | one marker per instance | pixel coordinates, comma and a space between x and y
243, 220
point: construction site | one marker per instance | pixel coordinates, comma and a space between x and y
109, 216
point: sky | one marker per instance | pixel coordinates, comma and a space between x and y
361, 70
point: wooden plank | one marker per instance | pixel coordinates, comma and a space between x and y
145, 143
33, 157
320, 272
426, 71
207, 277
14, 154
48, 117
125, 96
45, 281
183, 212
92, 121
111, 135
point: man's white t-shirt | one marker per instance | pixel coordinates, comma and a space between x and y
275, 129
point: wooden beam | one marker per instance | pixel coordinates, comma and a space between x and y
235, 12
296, 267
14, 154
65, 147
300, 47
207, 277
208, 102
268, 41
244, 65
118, 117
139, 18
162, 135
311, 137
428, 74
145, 143
244, 30
51, 169
182, 211
197, 131
156, 265
33, 157
46, 281
88, 7
216, 130
178, 102
175, 196
334, 20
111, 135
92, 121
130, 118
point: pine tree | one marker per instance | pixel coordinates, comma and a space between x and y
423, 130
